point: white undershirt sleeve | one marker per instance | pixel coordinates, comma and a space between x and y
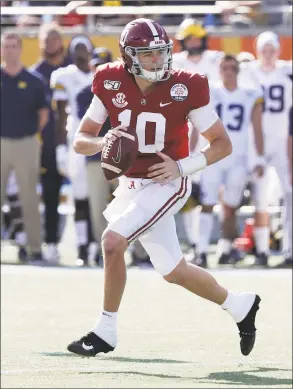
203, 118
97, 112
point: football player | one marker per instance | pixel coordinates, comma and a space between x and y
53, 58
66, 83
287, 263
237, 106
196, 57
146, 94
275, 77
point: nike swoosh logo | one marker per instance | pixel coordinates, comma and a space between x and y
86, 347
117, 159
163, 105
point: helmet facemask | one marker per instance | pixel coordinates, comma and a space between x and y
159, 72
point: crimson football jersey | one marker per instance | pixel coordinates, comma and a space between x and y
160, 117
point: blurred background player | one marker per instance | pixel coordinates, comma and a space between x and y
53, 58
237, 106
244, 57
287, 263
98, 186
196, 57
66, 84
275, 77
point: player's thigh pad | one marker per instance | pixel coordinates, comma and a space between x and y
77, 174
235, 181
211, 179
162, 245
140, 204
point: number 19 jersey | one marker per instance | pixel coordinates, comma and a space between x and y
277, 88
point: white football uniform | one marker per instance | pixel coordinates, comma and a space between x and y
209, 64
277, 88
66, 84
235, 110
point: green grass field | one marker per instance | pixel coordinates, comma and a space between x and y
168, 338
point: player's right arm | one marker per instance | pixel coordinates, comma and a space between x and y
256, 120
87, 140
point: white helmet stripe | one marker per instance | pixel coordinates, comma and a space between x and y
153, 29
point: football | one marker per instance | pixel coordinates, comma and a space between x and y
119, 155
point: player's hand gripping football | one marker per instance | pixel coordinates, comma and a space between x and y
164, 172
113, 134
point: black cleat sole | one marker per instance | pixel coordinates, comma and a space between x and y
247, 329
89, 346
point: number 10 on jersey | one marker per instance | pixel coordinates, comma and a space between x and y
141, 127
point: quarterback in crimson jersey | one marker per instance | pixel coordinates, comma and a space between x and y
160, 117
143, 92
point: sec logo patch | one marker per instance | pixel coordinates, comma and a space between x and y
120, 100
179, 92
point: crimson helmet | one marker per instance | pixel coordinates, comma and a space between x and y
142, 36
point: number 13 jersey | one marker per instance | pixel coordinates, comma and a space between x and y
160, 117
235, 109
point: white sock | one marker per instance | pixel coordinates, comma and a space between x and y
262, 239
20, 238
238, 304
81, 232
224, 247
190, 222
206, 221
106, 327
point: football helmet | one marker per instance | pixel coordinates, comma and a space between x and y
144, 36
101, 55
192, 28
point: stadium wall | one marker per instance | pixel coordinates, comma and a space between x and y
228, 44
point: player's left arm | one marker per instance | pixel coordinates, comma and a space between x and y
256, 120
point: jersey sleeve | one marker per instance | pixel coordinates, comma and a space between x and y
97, 112
199, 91
98, 83
58, 85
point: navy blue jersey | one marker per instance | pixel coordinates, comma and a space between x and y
22, 96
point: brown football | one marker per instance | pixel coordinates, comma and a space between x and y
119, 155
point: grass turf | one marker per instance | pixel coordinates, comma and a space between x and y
168, 338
